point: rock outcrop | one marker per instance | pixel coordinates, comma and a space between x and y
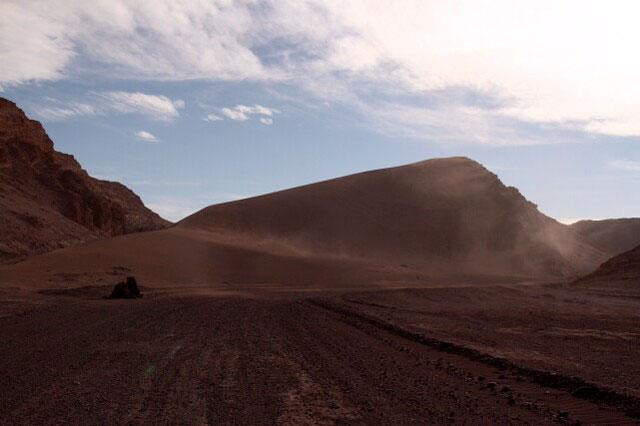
47, 201
126, 290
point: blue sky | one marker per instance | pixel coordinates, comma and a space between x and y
210, 101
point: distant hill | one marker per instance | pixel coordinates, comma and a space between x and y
613, 235
451, 214
48, 201
624, 267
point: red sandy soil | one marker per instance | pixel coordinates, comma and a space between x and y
612, 235
262, 357
228, 334
48, 201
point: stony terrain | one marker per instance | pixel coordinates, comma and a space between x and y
257, 356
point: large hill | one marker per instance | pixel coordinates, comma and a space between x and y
442, 219
48, 201
612, 235
451, 214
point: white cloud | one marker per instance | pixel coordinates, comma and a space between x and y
135, 39
570, 64
242, 112
235, 114
213, 117
146, 136
266, 121
33, 46
56, 111
155, 106
627, 165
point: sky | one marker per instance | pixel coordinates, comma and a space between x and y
199, 102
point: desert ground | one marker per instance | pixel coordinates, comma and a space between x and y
337, 343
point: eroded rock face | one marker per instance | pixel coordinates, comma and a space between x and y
48, 201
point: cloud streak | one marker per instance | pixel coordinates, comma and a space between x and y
57, 111
243, 113
542, 65
157, 107
146, 136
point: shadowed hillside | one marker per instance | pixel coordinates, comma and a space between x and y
624, 267
48, 201
613, 235
452, 214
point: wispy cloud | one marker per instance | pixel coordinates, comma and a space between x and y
146, 136
56, 111
158, 107
213, 117
581, 81
235, 114
627, 165
244, 112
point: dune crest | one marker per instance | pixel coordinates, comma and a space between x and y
450, 213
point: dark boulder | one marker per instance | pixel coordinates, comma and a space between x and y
126, 290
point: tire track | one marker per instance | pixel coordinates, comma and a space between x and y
576, 387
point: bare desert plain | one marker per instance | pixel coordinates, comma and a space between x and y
259, 352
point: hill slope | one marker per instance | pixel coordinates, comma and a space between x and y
613, 235
48, 201
451, 214
439, 221
624, 267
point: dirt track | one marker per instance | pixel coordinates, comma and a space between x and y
250, 360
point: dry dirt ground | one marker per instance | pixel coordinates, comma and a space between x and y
508, 354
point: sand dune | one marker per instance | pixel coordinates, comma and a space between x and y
443, 220
448, 214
